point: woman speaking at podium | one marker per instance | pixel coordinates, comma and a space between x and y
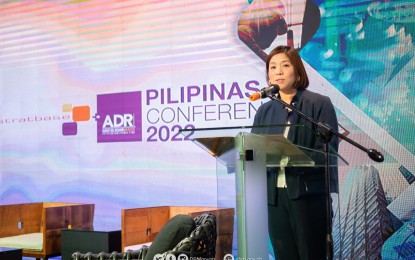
296, 195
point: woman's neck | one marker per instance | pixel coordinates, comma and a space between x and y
287, 97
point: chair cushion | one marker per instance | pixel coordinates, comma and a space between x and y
31, 241
136, 247
176, 229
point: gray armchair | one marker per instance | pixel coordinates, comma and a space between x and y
200, 243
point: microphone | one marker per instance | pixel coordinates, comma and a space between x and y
265, 92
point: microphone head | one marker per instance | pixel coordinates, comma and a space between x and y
255, 96
375, 155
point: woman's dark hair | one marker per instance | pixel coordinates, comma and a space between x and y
295, 59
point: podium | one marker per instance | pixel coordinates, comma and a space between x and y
248, 155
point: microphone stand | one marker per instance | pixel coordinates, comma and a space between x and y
325, 132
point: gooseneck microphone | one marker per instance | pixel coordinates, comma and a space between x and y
265, 92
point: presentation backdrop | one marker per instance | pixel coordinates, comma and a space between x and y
94, 93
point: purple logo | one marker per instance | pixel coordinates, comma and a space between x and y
119, 117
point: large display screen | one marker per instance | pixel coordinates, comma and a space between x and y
94, 95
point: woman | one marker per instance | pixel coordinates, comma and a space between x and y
296, 195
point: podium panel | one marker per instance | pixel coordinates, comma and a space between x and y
248, 155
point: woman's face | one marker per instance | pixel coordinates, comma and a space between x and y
281, 72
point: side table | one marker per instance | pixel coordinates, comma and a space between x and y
94, 241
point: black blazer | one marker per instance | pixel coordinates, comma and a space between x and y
301, 181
